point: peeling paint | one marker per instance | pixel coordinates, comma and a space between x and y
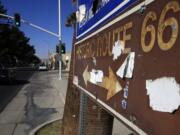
164, 94
124, 104
96, 76
118, 49
126, 69
94, 61
126, 89
81, 13
75, 80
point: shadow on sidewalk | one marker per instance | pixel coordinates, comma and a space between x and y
8, 90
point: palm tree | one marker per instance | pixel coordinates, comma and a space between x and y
74, 1
71, 20
2, 9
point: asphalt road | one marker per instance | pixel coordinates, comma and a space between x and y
8, 91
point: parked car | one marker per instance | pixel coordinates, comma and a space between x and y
7, 74
43, 67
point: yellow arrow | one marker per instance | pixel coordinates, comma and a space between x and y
109, 83
86, 75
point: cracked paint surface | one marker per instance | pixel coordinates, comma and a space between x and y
118, 49
164, 94
126, 69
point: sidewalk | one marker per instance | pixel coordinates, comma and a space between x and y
40, 101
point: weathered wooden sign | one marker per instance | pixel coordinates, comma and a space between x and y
131, 66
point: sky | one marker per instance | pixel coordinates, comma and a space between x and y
43, 13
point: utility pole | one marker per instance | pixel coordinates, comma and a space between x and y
60, 55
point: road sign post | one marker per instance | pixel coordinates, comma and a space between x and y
60, 60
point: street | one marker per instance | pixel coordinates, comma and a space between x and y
40, 99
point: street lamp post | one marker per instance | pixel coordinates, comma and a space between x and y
60, 57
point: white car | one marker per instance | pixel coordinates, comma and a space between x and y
43, 68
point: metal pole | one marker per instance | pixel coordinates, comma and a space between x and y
82, 113
59, 16
32, 25
42, 29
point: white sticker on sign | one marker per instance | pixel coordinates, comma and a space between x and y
126, 69
117, 50
96, 76
164, 94
81, 13
75, 80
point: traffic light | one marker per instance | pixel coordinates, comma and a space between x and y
63, 49
17, 20
57, 48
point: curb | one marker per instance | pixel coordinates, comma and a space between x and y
32, 132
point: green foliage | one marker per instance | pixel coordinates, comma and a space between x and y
71, 20
2, 9
15, 49
74, 1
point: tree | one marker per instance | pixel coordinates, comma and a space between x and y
15, 49
71, 20
2, 9
74, 1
